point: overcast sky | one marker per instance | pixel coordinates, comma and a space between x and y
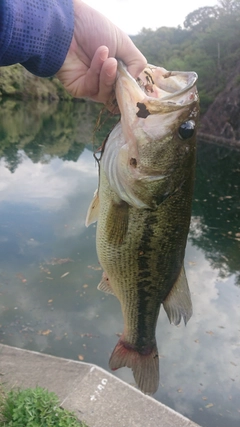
132, 15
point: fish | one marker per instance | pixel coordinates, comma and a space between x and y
143, 208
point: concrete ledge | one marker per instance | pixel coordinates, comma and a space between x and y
96, 396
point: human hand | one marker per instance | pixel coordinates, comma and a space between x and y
90, 67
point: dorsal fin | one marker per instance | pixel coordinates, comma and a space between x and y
93, 210
178, 303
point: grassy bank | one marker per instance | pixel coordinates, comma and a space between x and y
34, 408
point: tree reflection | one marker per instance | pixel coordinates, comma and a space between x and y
46, 130
12, 157
216, 209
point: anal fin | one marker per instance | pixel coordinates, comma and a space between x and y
178, 303
104, 285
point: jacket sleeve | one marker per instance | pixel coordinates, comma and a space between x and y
36, 34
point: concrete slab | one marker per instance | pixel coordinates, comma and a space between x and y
28, 369
96, 396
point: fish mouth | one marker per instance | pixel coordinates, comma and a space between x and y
169, 85
155, 91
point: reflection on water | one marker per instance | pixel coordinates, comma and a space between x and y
49, 269
216, 208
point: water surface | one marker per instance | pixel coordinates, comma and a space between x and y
49, 270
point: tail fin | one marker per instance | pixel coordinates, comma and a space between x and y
145, 367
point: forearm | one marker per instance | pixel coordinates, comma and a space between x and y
36, 34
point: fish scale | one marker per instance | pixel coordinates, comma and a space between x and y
141, 252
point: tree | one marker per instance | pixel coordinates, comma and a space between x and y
201, 18
229, 6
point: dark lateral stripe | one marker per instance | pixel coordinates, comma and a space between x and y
148, 306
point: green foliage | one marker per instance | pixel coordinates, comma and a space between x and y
16, 82
34, 408
229, 6
209, 45
201, 18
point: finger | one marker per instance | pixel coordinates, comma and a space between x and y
131, 56
106, 80
106, 84
92, 78
108, 74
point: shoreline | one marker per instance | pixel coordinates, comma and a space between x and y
97, 397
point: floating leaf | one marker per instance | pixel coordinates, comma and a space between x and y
47, 332
210, 405
64, 275
21, 277
59, 261
94, 268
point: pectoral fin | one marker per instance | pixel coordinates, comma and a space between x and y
104, 285
117, 222
93, 210
178, 303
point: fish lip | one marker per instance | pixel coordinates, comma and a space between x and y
127, 89
191, 77
138, 94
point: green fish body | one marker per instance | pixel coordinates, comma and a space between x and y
143, 209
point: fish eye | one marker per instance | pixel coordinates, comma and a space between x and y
186, 130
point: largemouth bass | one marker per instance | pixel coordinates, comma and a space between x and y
143, 209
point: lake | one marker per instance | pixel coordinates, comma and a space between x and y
49, 269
